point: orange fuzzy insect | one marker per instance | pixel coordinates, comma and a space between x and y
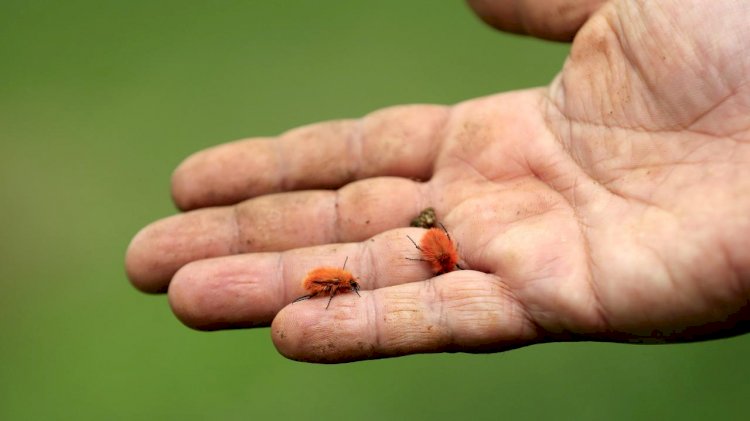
328, 281
438, 250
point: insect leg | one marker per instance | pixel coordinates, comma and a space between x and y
304, 297
333, 293
415, 244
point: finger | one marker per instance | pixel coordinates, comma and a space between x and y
462, 311
557, 20
271, 223
248, 290
159, 249
399, 141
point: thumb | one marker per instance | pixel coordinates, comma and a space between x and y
557, 20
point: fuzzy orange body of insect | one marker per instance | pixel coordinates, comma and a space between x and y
328, 281
438, 250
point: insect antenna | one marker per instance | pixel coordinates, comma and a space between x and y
445, 230
345, 260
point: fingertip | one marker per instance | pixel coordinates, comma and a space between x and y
498, 16
225, 293
226, 174
157, 251
143, 272
306, 331
184, 300
289, 329
201, 180
192, 302
281, 335
180, 186
557, 20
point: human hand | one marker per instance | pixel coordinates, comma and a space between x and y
613, 205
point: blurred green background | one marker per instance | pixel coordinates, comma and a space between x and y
100, 100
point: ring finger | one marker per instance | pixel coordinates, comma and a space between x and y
248, 290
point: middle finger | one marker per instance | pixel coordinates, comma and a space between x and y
271, 223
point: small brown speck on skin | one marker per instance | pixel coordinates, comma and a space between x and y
281, 334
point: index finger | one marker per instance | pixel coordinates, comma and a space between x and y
399, 141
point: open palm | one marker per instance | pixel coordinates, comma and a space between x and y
612, 205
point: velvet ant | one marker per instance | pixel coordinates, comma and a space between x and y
438, 250
328, 281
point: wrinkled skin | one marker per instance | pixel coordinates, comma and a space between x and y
612, 205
